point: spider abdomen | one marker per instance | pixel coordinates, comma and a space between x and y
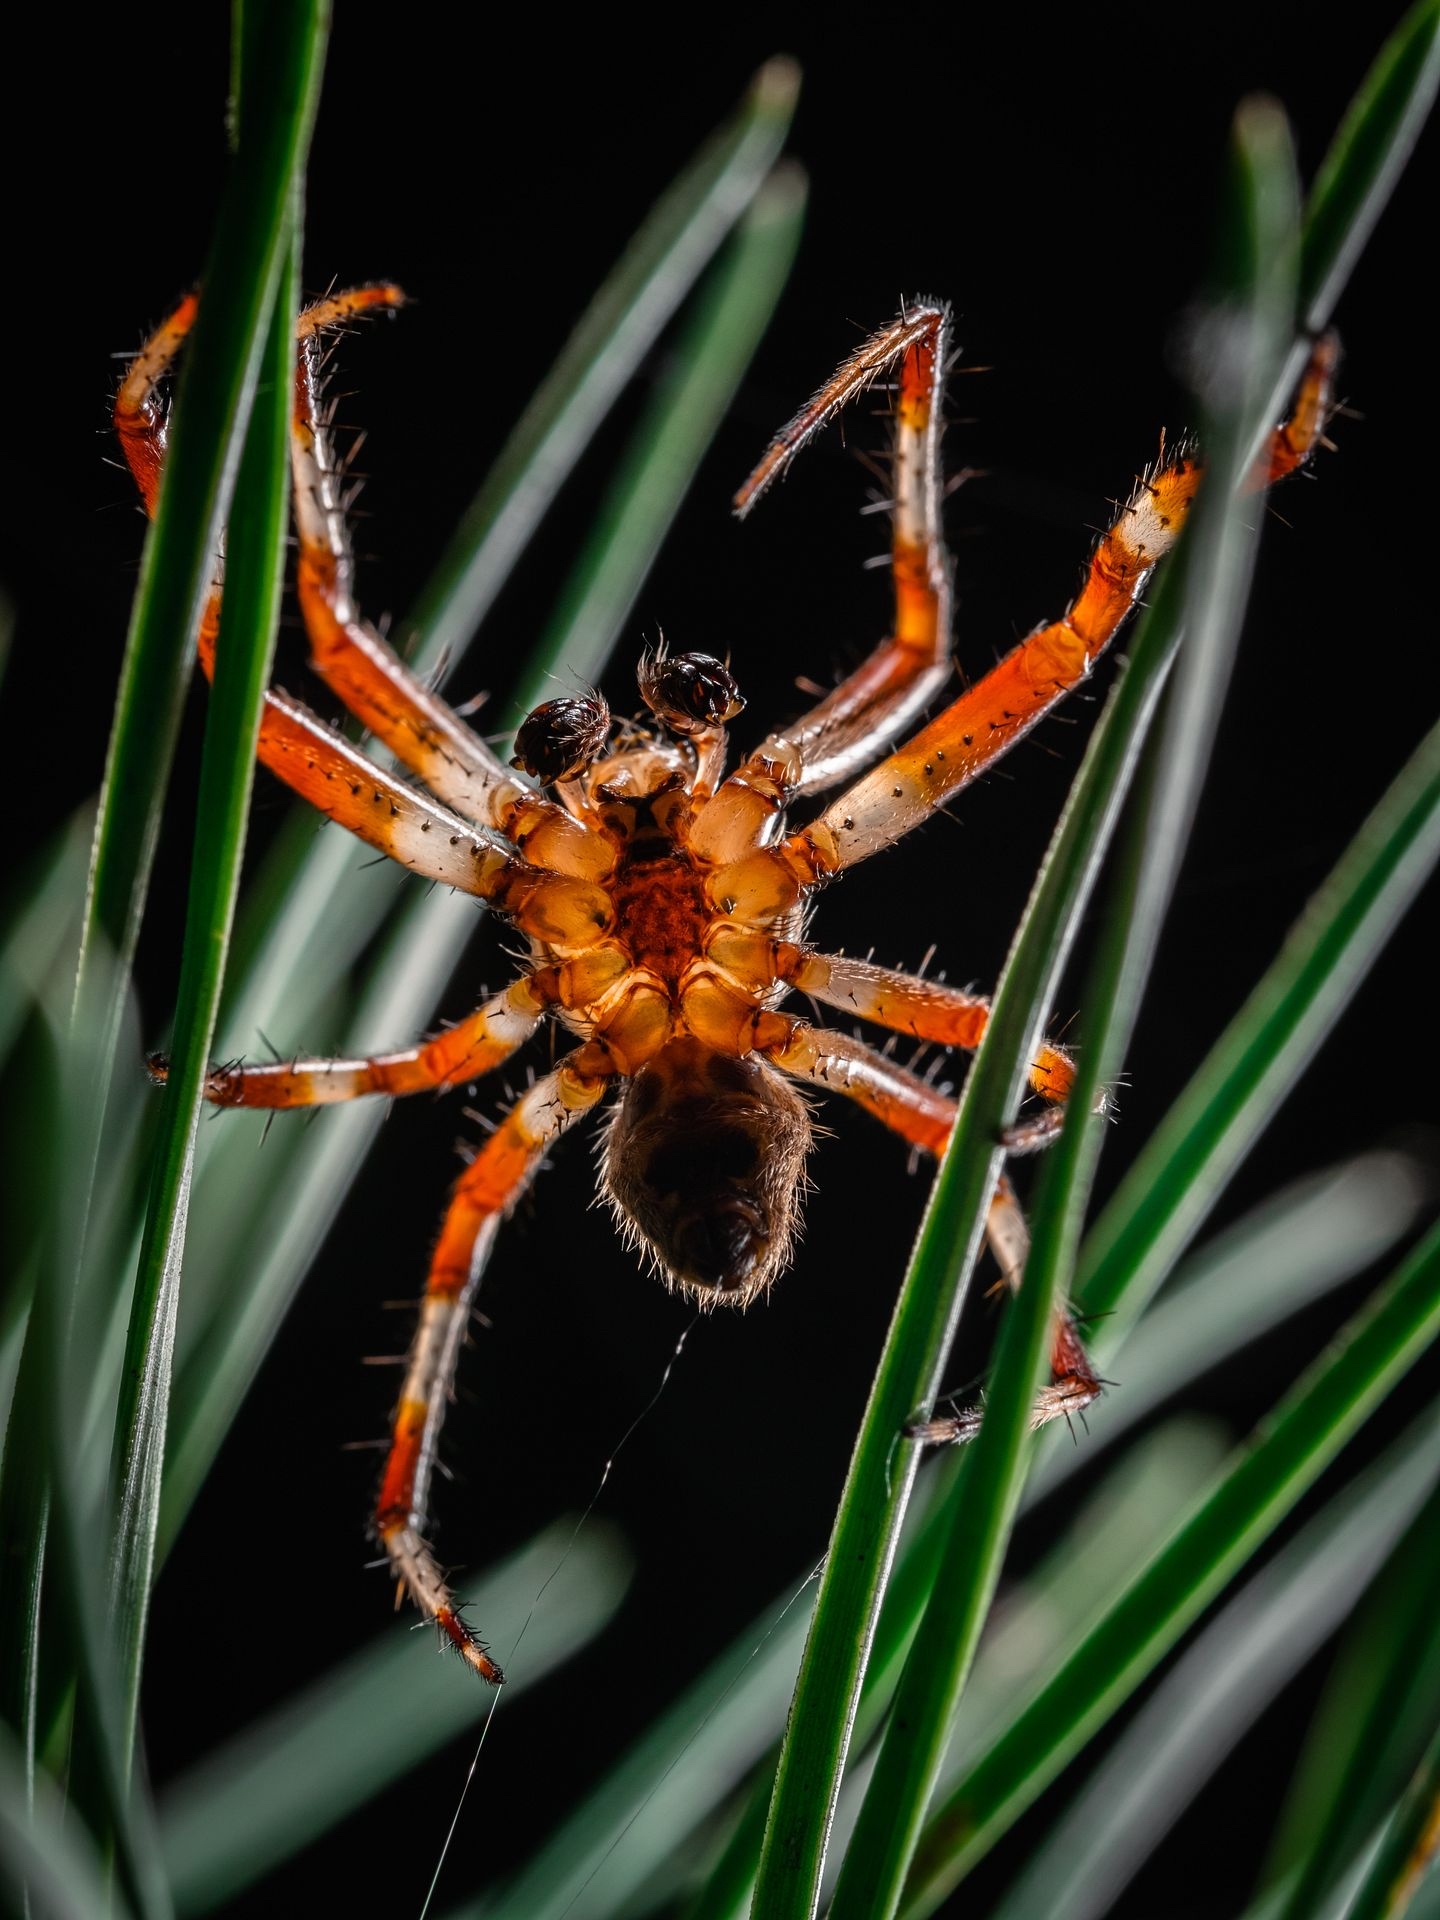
705, 1165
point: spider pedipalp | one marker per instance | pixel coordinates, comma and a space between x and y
688, 692
562, 737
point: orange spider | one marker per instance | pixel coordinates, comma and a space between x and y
664, 902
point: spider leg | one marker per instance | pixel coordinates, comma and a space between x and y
988, 718
1074, 1385
926, 1010
141, 421
483, 1195
141, 417
366, 673
336, 778
348, 788
362, 668
840, 1063
463, 1052
912, 1108
411, 828
889, 689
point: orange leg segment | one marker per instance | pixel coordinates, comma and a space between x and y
483, 1195
1293, 442
139, 418
887, 691
924, 1009
347, 787
463, 1052
899, 1099
1074, 1385
368, 675
361, 667
987, 720
914, 1109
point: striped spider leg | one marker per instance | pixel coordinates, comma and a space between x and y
473, 786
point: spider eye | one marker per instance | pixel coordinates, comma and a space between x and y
687, 691
562, 737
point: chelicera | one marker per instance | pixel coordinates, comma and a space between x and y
664, 899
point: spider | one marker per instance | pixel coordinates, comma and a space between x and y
663, 900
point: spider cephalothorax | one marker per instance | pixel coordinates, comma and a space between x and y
663, 899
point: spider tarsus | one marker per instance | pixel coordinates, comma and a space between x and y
469, 1646
1029, 1136
952, 1429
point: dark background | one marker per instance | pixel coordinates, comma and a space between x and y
1057, 185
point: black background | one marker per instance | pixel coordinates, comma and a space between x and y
1057, 185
